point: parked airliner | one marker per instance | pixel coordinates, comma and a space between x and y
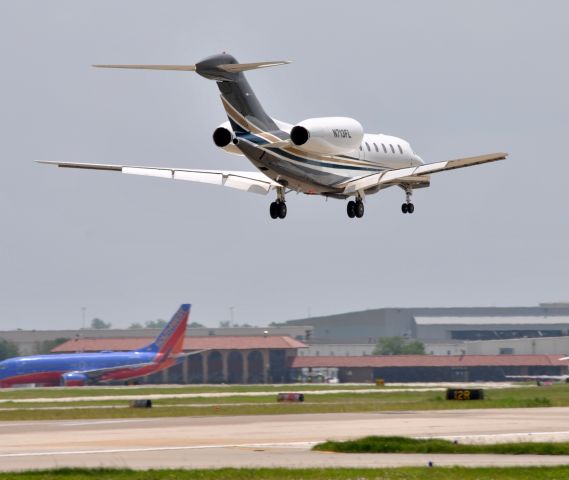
328, 156
77, 369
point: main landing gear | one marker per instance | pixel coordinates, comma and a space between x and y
408, 207
355, 209
278, 208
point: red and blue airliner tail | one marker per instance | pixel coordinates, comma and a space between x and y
170, 342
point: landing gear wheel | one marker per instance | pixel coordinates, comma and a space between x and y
405, 208
274, 210
351, 209
281, 208
359, 209
410, 207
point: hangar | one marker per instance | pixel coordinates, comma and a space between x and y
212, 359
432, 368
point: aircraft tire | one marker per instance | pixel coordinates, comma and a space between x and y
404, 208
410, 207
359, 209
281, 209
351, 209
274, 210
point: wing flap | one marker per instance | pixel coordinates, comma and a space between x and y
202, 177
148, 172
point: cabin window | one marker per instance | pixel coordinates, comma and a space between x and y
384, 149
400, 149
392, 149
375, 146
368, 149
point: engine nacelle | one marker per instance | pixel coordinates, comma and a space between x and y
223, 138
328, 135
73, 379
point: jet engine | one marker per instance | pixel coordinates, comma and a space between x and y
223, 138
328, 135
73, 379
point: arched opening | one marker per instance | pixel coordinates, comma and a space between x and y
278, 369
235, 367
255, 360
176, 373
214, 368
195, 368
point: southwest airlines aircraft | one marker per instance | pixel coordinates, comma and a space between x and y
79, 369
328, 156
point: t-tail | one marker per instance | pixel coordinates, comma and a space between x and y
170, 342
244, 111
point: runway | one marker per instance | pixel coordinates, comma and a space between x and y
270, 440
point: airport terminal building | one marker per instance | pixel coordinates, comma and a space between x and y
440, 324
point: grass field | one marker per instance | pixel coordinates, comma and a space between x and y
382, 400
424, 473
412, 445
59, 392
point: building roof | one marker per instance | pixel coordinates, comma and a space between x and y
529, 320
190, 343
428, 361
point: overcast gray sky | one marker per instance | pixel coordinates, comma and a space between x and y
453, 78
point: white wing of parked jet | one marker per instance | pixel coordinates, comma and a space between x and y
255, 182
401, 175
97, 373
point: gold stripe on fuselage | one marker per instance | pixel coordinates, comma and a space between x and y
246, 124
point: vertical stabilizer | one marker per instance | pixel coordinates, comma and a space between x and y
243, 109
170, 342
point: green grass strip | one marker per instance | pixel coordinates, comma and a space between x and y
415, 473
377, 444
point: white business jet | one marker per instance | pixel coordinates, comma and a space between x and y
328, 156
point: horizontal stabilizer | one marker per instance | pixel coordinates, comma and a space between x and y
242, 67
183, 68
226, 67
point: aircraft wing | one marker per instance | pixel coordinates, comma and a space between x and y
405, 175
96, 374
255, 182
